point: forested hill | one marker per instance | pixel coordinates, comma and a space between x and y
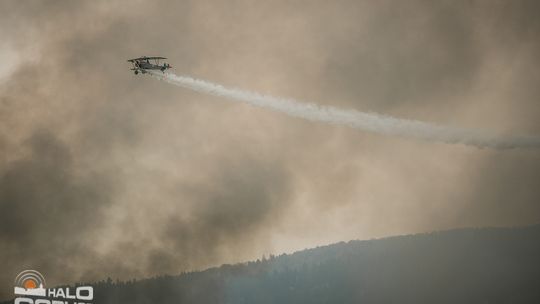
489, 265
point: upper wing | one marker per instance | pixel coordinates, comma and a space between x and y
145, 58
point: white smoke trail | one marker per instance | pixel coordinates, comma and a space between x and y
356, 119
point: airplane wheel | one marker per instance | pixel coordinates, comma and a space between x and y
136, 72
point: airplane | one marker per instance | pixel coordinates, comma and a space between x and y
143, 64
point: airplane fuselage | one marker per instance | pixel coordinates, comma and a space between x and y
149, 66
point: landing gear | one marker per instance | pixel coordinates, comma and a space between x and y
136, 72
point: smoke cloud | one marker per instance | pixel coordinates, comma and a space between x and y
359, 120
104, 173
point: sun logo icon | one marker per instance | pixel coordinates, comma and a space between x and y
30, 282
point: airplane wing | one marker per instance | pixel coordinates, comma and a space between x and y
145, 58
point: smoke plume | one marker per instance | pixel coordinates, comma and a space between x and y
355, 119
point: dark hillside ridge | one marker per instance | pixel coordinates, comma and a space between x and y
487, 265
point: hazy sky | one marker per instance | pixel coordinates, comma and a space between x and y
104, 173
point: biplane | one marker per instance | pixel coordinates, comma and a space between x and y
143, 64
